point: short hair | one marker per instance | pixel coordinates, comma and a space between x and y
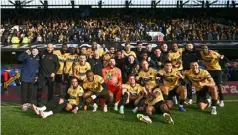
89, 71
64, 45
127, 43
118, 51
139, 42
168, 62
131, 75
131, 55
73, 77
143, 61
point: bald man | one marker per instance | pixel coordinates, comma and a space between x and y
49, 65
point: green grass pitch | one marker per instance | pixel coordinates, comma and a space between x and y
193, 122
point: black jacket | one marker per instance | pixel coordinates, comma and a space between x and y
188, 57
96, 65
164, 57
49, 63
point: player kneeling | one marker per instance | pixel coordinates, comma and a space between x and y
95, 88
130, 93
75, 93
172, 85
155, 103
204, 84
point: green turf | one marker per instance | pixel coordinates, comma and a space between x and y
192, 122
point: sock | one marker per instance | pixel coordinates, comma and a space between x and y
122, 106
136, 108
42, 108
124, 98
214, 102
214, 107
180, 105
94, 104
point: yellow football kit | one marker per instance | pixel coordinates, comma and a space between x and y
95, 86
75, 94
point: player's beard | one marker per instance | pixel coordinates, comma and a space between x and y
75, 87
112, 66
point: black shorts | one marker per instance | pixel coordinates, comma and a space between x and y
66, 78
172, 93
216, 75
58, 78
202, 95
157, 106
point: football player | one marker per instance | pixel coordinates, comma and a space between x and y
95, 88
73, 102
172, 79
113, 78
155, 103
204, 84
147, 75
130, 92
175, 56
211, 59
81, 69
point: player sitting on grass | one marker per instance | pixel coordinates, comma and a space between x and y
72, 103
155, 103
172, 80
95, 88
204, 84
130, 93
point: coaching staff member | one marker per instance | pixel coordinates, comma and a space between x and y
189, 55
49, 65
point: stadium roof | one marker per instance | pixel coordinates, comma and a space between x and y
117, 3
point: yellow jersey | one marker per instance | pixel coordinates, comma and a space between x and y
75, 94
211, 60
134, 91
148, 77
130, 53
80, 70
69, 63
150, 100
176, 58
62, 58
202, 76
95, 86
170, 80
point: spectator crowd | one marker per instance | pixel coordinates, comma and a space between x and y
117, 29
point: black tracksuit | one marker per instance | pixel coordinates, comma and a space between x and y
49, 63
96, 65
187, 58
